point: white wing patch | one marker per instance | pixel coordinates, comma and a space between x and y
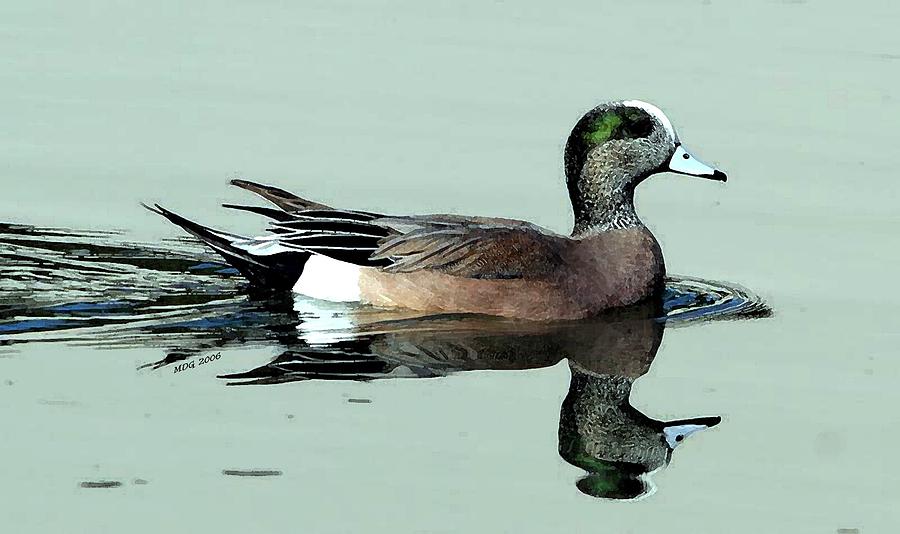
328, 279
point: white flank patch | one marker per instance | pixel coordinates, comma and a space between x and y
327, 279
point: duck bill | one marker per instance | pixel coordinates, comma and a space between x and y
676, 431
683, 162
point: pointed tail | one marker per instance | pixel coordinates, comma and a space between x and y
278, 271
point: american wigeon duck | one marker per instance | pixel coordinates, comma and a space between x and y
454, 263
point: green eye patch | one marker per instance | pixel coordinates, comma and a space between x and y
602, 128
617, 124
601, 125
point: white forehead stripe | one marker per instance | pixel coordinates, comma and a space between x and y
656, 112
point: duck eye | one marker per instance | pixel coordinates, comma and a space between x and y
686, 156
679, 437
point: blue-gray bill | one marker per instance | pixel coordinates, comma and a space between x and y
683, 162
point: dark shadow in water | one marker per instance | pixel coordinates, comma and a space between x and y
95, 289
599, 430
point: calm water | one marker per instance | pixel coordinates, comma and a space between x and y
142, 389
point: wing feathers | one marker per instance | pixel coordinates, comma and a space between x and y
331, 226
335, 215
472, 247
436, 257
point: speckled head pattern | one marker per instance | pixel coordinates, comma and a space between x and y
610, 150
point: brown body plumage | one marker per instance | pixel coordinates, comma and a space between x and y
591, 274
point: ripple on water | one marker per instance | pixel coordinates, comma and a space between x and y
95, 288
251, 472
688, 299
100, 484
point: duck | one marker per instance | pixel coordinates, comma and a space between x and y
445, 263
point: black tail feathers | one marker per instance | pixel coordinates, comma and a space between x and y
272, 272
272, 213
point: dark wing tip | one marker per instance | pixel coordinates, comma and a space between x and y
156, 208
243, 183
255, 186
258, 188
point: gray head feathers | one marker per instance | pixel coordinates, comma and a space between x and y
611, 149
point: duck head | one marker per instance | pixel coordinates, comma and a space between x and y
614, 147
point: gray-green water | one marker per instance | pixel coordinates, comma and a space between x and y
463, 107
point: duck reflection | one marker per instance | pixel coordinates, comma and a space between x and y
599, 430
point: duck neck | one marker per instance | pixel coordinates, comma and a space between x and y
600, 209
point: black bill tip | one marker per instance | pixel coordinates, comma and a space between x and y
714, 420
720, 176
708, 422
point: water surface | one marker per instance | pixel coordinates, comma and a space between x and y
460, 107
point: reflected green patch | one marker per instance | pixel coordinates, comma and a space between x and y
612, 486
605, 479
